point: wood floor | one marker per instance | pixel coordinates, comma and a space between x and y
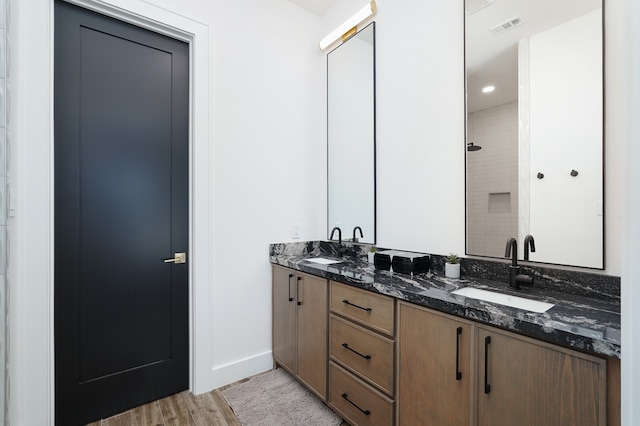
181, 409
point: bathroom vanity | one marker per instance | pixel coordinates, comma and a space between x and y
406, 350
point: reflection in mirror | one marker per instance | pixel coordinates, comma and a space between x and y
534, 163
351, 136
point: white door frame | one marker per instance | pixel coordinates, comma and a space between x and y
196, 34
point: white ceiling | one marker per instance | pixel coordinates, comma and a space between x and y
493, 60
319, 7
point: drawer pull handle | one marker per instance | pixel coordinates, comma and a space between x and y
487, 386
458, 372
344, 345
345, 301
365, 412
290, 298
298, 291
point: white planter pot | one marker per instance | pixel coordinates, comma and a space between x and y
370, 256
452, 270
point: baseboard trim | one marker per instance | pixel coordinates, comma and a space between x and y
238, 370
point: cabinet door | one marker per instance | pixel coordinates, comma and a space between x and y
526, 382
284, 317
434, 368
312, 332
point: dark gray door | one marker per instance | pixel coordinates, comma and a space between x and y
121, 209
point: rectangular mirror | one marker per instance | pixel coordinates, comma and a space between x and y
534, 147
351, 183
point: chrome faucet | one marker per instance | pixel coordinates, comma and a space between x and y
355, 239
339, 235
515, 277
529, 242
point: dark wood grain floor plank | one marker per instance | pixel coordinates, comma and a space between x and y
175, 411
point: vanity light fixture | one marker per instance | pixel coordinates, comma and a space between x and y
488, 89
350, 26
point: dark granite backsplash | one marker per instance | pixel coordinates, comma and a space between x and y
578, 283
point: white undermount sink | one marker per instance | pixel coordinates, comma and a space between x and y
322, 260
504, 299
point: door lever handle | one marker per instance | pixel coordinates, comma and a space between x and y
179, 258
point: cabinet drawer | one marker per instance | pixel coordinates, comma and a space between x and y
357, 402
373, 310
366, 353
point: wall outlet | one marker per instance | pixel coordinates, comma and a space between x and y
295, 231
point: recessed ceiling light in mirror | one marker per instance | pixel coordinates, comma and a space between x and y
488, 89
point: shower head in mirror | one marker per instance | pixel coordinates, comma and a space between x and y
471, 147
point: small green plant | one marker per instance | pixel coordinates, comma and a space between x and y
372, 249
452, 258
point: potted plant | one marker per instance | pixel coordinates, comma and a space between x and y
371, 254
452, 266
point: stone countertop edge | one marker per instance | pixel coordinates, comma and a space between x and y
587, 324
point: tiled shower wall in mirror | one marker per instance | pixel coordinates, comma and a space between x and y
4, 89
492, 179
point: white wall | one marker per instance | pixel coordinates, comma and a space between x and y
625, 71
269, 156
268, 140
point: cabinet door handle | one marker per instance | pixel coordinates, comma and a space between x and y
365, 412
458, 372
487, 386
345, 345
290, 298
345, 301
298, 291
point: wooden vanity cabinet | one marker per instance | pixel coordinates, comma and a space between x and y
435, 368
362, 356
506, 379
528, 382
300, 311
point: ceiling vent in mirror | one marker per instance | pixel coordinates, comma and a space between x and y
507, 25
472, 6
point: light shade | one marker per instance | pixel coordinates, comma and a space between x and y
350, 25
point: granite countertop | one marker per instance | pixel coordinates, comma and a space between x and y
590, 324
